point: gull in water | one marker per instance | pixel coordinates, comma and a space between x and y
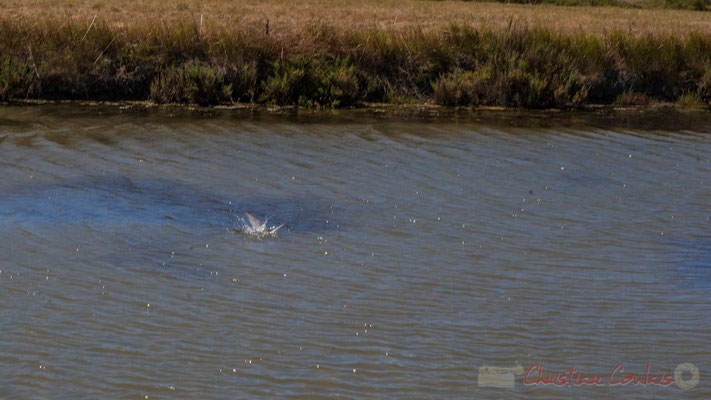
258, 228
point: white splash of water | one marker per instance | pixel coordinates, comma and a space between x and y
254, 227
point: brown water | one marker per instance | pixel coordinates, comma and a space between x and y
416, 250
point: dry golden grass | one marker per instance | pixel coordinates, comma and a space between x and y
287, 17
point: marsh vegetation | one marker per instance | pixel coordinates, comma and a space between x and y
252, 53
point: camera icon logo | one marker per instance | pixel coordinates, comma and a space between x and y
501, 377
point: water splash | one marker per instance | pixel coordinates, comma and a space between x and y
254, 227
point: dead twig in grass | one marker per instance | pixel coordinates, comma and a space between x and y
104, 51
88, 29
32, 58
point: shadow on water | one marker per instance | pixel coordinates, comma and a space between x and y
119, 200
146, 224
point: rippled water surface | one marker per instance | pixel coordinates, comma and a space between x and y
416, 249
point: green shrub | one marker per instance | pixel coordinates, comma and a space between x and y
520, 88
16, 79
518, 68
705, 87
311, 82
631, 98
461, 88
191, 82
690, 100
243, 80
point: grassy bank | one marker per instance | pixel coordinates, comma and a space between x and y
189, 58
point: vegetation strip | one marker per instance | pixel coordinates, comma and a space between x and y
325, 66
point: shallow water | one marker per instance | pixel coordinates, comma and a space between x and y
416, 249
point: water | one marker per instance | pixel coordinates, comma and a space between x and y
416, 249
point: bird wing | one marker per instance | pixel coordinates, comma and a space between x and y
276, 228
253, 221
